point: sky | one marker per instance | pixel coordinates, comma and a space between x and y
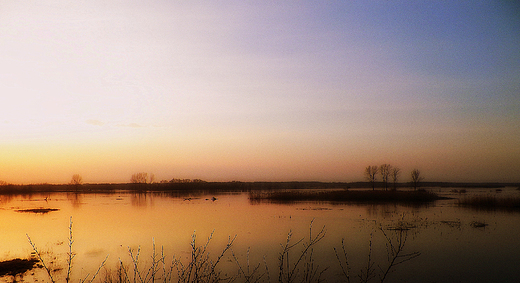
259, 90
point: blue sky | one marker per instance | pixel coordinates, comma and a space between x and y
255, 90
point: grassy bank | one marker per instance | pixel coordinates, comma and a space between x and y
362, 196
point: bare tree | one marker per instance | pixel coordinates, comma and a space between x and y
76, 180
139, 178
371, 174
384, 170
395, 172
416, 178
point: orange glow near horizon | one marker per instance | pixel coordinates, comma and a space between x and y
265, 92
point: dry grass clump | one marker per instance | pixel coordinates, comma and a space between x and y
490, 202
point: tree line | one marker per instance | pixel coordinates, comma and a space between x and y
390, 173
387, 172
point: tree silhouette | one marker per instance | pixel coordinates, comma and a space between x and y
370, 175
394, 173
142, 178
416, 178
384, 170
76, 180
139, 178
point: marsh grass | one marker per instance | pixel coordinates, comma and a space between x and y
361, 196
491, 202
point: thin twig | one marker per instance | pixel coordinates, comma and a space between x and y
99, 268
40, 258
70, 254
394, 251
345, 269
368, 273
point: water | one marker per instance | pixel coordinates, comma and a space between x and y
451, 248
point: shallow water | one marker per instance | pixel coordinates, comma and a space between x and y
451, 248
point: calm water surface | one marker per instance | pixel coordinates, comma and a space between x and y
452, 249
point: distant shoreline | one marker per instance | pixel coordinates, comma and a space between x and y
232, 186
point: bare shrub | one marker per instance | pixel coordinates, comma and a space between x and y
302, 268
395, 245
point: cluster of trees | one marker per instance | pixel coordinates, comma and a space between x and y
145, 178
142, 178
389, 173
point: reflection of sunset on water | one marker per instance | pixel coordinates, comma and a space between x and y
109, 224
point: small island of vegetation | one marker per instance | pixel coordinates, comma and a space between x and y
361, 196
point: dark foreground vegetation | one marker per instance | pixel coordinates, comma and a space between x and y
296, 263
362, 196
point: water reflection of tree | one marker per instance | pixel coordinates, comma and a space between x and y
5, 199
388, 210
76, 199
140, 199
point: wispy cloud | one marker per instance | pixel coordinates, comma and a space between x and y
95, 122
131, 125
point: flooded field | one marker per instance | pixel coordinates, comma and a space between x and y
444, 242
